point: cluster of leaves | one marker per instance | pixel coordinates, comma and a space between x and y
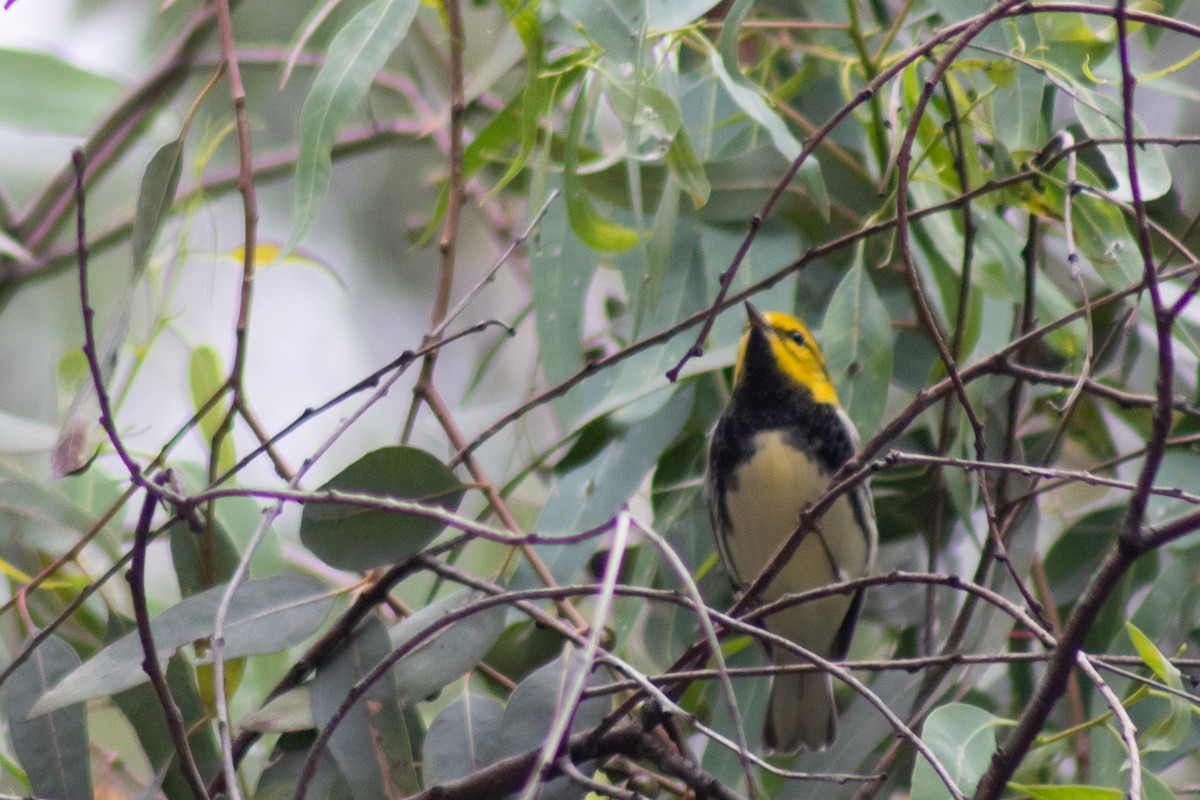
992, 248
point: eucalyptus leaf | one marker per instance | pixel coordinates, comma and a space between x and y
451, 652
53, 748
858, 343
355, 56
463, 738
266, 615
371, 744
45, 93
963, 738
155, 197
356, 538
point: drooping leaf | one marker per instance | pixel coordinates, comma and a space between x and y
140, 706
371, 744
452, 652
155, 197
462, 738
1103, 118
53, 748
1170, 730
42, 92
355, 56
748, 96
266, 615
963, 738
858, 344
590, 226
205, 379
356, 538
593, 492
534, 705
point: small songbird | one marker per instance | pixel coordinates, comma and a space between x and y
772, 453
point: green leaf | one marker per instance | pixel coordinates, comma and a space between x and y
266, 615
592, 229
53, 748
749, 97
858, 343
290, 711
687, 169
371, 744
355, 56
42, 92
536, 96
451, 652
155, 198
963, 738
201, 559
1102, 117
462, 738
1067, 792
286, 763
140, 706
1170, 731
356, 538
562, 270
205, 379
532, 708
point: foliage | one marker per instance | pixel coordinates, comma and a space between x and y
980, 208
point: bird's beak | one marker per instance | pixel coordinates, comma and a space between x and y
756, 319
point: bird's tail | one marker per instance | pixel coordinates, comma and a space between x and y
800, 713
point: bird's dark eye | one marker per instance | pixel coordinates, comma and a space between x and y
798, 338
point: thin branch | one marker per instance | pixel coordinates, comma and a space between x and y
158, 681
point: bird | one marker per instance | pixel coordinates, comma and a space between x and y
772, 453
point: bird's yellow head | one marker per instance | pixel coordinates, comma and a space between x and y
794, 353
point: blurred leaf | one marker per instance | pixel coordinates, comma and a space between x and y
155, 198
11, 247
1102, 117
521, 647
452, 652
44, 93
616, 25
594, 492
282, 773
140, 706
355, 56
291, 711
463, 738
1171, 730
536, 703
316, 16
592, 229
857, 340
266, 615
688, 169
80, 435
1067, 792
356, 538
749, 97
52, 748
371, 744
537, 94
562, 269
963, 738
201, 558
205, 379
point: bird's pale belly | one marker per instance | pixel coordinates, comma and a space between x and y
771, 490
